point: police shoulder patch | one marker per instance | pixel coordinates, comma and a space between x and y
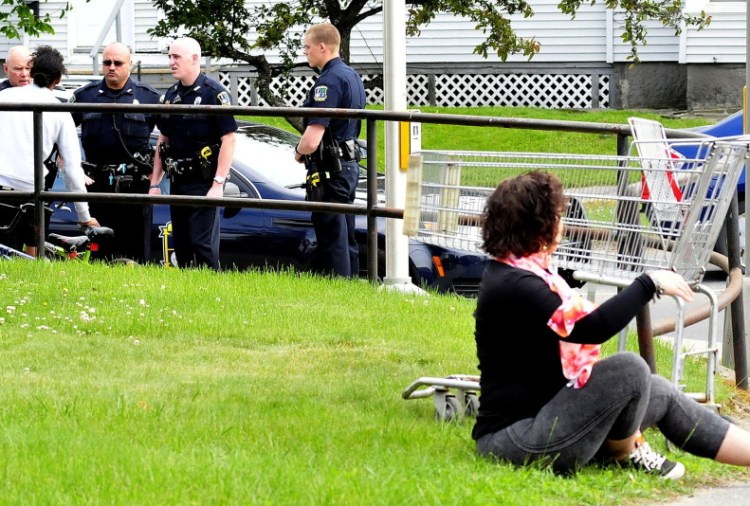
224, 98
161, 99
72, 99
321, 93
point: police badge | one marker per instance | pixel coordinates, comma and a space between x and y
224, 98
321, 93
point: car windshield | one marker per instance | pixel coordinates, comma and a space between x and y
270, 152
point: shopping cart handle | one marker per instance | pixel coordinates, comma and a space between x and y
434, 384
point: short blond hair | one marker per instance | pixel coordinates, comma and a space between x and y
325, 33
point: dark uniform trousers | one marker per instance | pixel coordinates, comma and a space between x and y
131, 223
195, 229
337, 251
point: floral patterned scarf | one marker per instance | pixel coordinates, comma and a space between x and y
577, 359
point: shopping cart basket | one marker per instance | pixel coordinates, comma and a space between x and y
614, 231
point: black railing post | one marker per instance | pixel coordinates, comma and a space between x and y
41, 233
372, 200
643, 318
737, 308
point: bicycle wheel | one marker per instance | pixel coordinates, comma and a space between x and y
8, 253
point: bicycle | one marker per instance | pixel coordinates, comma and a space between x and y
56, 246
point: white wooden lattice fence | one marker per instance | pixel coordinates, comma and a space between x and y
544, 90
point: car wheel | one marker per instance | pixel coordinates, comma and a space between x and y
413, 274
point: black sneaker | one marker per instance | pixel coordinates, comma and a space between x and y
646, 459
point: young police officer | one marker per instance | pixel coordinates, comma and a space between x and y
328, 148
118, 154
197, 153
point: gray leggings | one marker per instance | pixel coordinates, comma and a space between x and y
620, 397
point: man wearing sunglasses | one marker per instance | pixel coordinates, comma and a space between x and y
119, 157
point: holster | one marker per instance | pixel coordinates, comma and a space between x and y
328, 154
313, 183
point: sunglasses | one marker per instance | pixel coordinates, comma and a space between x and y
117, 63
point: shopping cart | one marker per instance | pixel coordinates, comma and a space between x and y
614, 231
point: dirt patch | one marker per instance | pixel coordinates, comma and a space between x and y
737, 406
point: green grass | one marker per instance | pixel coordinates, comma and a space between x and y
141, 385
469, 138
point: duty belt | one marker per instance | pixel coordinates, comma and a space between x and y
180, 166
121, 177
121, 168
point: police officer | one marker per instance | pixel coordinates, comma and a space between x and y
117, 150
17, 67
196, 151
329, 150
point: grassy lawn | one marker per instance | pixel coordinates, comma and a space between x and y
140, 385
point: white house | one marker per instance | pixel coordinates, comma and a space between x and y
583, 62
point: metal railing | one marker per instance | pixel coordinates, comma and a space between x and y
371, 209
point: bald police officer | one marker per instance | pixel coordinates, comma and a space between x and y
118, 155
196, 151
17, 67
329, 150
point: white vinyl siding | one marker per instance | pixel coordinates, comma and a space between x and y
724, 39
145, 16
584, 39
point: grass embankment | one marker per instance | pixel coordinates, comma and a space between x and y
151, 386
452, 137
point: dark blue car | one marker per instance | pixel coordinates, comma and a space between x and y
264, 168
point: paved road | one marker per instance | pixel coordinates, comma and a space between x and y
737, 494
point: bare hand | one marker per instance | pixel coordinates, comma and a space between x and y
216, 191
671, 283
91, 223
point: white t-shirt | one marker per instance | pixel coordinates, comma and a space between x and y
17, 134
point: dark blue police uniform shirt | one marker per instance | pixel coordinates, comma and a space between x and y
189, 133
104, 133
5, 85
338, 86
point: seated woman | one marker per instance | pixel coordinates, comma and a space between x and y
546, 396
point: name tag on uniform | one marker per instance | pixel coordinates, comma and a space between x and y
321, 93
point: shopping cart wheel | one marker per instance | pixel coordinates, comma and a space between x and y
447, 407
471, 403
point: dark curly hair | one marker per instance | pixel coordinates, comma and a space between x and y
47, 66
521, 215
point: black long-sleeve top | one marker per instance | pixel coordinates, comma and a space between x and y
519, 355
